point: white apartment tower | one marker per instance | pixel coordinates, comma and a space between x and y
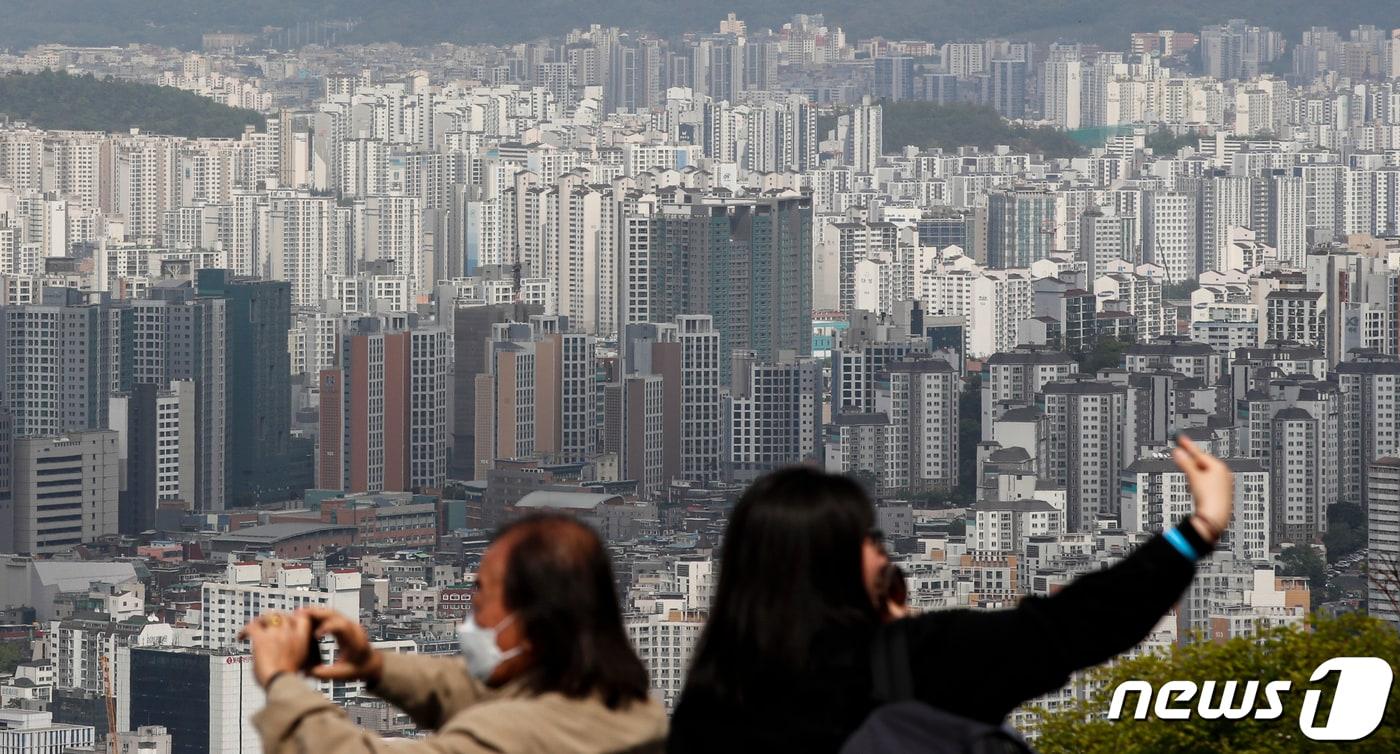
700, 405
920, 399
1370, 386
1383, 540
773, 413
1064, 83
1169, 233
1086, 447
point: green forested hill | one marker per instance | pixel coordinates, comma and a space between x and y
924, 124
57, 100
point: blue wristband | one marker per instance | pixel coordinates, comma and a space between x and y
1178, 541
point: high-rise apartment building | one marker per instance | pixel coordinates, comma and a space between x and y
157, 431
635, 409
59, 359
732, 257
1370, 385
894, 78
1105, 238
170, 336
471, 334
1008, 87
864, 136
1020, 226
383, 411
538, 398
1062, 90
772, 414
1293, 428
1155, 497
1013, 379
1169, 234
920, 399
1088, 442
300, 244
1383, 539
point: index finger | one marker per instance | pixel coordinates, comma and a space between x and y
1193, 451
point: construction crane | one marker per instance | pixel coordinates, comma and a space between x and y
111, 699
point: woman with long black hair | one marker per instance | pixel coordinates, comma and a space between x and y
784, 663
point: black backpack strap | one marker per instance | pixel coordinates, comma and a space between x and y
890, 664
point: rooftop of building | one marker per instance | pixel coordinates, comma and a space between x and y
850, 419
1159, 465
269, 534
1022, 414
1009, 455
1018, 506
73, 575
1029, 355
564, 499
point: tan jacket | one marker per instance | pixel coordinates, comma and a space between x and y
468, 717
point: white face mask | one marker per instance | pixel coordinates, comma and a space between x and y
480, 649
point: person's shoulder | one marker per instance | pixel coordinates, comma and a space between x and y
554, 722
931, 625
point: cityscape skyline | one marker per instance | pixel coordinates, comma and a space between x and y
622, 275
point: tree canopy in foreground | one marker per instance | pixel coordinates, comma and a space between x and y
1279, 653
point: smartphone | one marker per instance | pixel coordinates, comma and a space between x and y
313, 654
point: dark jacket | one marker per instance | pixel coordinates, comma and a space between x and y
979, 664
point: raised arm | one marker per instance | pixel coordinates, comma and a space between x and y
298, 719
429, 689
982, 664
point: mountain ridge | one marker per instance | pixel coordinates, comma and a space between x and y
105, 22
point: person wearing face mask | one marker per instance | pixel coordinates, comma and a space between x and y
546, 664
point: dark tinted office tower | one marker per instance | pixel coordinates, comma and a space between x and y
761, 60
746, 260
136, 505
623, 78
203, 698
1009, 87
471, 329
7, 439
718, 68
258, 465
894, 78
